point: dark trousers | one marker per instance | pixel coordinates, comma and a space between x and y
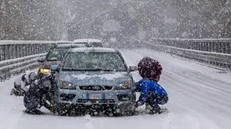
31, 103
155, 99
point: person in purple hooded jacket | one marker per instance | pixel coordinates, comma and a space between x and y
151, 92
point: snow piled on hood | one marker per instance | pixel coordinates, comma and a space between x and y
109, 76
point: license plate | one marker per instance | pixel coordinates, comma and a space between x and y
95, 96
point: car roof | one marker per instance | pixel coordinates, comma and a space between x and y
70, 45
92, 49
63, 42
87, 40
66, 46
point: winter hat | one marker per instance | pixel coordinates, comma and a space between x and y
149, 68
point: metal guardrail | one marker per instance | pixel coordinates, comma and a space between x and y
18, 56
18, 65
210, 45
211, 51
15, 49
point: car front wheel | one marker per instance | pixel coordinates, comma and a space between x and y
128, 110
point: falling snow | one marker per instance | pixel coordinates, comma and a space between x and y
195, 32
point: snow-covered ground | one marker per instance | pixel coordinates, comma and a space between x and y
200, 98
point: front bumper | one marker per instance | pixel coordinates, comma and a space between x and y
116, 97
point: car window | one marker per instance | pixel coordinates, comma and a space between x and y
82, 44
95, 44
55, 54
94, 61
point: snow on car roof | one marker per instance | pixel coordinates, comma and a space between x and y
96, 49
87, 40
70, 44
63, 42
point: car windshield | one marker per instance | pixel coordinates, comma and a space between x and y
55, 54
94, 61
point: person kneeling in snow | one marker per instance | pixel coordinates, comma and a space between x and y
21, 84
38, 96
151, 92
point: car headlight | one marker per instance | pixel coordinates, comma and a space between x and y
67, 85
45, 71
125, 85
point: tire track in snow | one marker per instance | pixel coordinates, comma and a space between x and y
197, 88
220, 97
189, 91
217, 85
194, 105
197, 120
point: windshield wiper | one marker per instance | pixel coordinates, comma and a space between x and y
100, 70
70, 69
52, 60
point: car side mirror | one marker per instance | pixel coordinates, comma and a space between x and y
132, 68
54, 68
40, 60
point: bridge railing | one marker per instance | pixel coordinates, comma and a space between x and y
15, 49
18, 56
215, 52
210, 45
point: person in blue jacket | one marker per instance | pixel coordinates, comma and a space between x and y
151, 92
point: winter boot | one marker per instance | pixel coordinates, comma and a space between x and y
35, 112
155, 109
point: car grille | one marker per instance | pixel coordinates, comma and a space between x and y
67, 97
95, 88
96, 101
124, 97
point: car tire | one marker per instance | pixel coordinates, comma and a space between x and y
117, 111
78, 110
61, 110
132, 112
129, 111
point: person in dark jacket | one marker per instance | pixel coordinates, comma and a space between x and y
36, 96
151, 92
21, 84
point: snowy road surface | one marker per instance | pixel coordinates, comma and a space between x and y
200, 98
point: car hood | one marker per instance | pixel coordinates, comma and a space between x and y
95, 78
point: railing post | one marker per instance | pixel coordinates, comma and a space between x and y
229, 47
1, 53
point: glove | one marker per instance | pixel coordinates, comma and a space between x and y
52, 109
36, 82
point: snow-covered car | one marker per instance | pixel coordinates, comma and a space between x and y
55, 56
95, 78
89, 42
